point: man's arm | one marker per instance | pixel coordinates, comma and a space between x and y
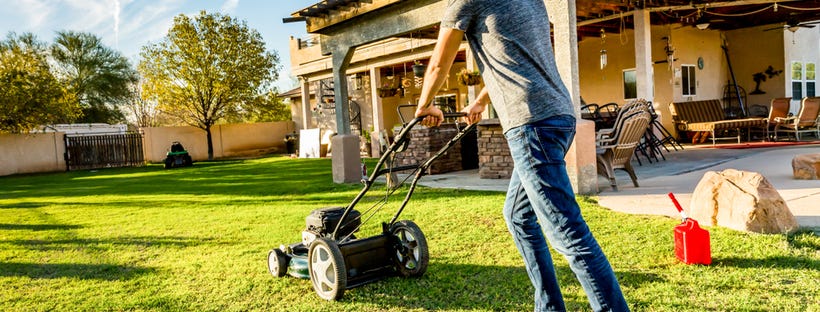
444, 54
478, 106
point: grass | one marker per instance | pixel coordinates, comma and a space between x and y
196, 239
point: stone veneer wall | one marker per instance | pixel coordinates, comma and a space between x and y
425, 142
494, 159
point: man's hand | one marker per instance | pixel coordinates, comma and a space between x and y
433, 113
474, 112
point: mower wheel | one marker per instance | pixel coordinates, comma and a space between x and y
411, 251
169, 162
277, 263
328, 272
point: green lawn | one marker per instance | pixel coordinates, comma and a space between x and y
196, 239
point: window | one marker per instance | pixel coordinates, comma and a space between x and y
688, 80
810, 79
797, 80
630, 84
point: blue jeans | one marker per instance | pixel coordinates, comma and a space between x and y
540, 195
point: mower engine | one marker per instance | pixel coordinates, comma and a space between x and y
322, 222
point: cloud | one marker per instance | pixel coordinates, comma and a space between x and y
35, 12
229, 6
117, 10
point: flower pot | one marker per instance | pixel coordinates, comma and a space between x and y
418, 70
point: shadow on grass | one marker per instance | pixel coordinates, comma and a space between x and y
38, 227
473, 287
783, 262
146, 241
23, 205
108, 272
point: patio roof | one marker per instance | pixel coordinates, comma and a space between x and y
613, 15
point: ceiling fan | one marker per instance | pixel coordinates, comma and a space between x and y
792, 24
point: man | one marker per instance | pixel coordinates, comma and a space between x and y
511, 41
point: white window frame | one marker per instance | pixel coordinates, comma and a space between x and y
689, 87
797, 77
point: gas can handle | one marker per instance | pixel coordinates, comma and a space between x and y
677, 205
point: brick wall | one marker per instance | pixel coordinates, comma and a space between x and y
425, 142
494, 159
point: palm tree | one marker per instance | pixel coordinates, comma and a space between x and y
96, 75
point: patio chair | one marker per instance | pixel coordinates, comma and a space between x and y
805, 121
778, 108
617, 152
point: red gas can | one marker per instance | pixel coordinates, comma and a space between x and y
692, 243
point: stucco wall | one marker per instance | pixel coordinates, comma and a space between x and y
232, 140
800, 46
31, 153
752, 50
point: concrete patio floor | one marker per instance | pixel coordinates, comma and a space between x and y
680, 174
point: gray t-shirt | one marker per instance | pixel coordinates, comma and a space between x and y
511, 41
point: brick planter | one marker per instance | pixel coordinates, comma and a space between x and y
425, 142
494, 159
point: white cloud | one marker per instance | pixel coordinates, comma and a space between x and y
35, 12
229, 6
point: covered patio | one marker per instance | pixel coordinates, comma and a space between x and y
661, 51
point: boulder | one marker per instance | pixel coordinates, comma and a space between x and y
806, 166
741, 200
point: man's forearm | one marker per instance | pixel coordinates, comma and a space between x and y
441, 61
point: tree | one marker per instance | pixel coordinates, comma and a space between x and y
142, 112
205, 68
30, 96
267, 107
97, 76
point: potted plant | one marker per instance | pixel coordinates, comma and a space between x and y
386, 91
419, 69
469, 78
291, 141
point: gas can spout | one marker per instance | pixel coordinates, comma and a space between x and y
680, 209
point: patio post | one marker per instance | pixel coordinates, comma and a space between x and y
306, 111
643, 56
580, 158
378, 111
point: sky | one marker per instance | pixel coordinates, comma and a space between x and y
128, 25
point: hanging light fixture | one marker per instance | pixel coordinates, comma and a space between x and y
603, 51
670, 52
701, 22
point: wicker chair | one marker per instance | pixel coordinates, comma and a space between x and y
778, 108
805, 121
616, 152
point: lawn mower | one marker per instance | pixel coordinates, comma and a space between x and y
331, 255
177, 157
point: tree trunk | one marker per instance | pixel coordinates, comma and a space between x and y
210, 143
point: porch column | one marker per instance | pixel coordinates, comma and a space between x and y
345, 146
643, 56
378, 111
580, 158
306, 111
472, 91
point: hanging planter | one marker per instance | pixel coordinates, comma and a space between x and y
469, 78
419, 69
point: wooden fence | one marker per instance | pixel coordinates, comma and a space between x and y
103, 151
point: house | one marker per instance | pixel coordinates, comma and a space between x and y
662, 51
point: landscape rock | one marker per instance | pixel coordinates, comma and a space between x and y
741, 200
806, 166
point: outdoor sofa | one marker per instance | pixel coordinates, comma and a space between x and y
708, 116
